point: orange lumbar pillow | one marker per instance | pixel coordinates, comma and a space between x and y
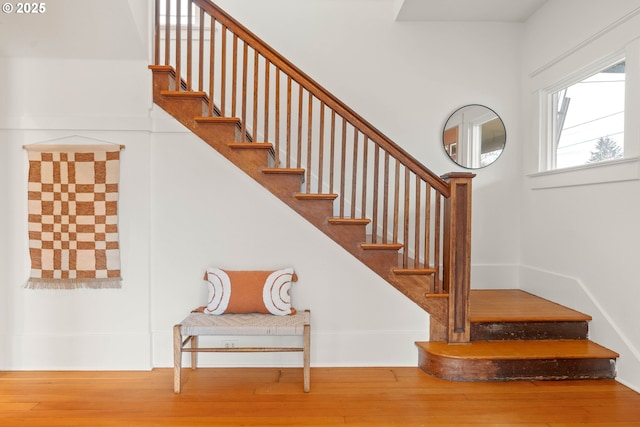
249, 291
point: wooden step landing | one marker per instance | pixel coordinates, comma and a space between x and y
517, 360
513, 305
513, 314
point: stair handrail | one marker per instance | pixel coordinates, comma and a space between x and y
324, 95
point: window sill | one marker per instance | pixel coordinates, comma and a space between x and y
599, 173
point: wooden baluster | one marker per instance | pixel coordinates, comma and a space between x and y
396, 202
343, 166
212, 69
309, 141
277, 119
354, 174
201, 52
234, 77
365, 163
156, 33
267, 87
300, 115
457, 255
178, 48
256, 72
332, 151
189, 44
321, 149
243, 98
427, 225
437, 250
418, 223
405, 230
376, 176
289, 100
167, 33
223, 71
385, 202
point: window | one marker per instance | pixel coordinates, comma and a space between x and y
173, 14
585, 118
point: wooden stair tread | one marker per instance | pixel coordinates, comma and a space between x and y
162, 68
519, 350
216, 119
413, 271
315, 196
251, 145
349, 221
381, 246
183, 94
284, 171
514, 305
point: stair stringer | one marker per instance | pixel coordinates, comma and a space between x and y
191, 109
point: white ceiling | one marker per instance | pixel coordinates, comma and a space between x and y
116, 29
467, 10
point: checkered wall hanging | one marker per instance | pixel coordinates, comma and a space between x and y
73, 216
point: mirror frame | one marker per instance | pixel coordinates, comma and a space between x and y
466, 154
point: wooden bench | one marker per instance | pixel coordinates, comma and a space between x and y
254, 324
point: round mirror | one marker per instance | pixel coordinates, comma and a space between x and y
474, 136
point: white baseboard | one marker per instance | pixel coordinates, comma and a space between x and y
328, 348
76, 352
571, 292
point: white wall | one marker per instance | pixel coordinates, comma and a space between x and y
183, 207
5, 218
75, 101
579, 243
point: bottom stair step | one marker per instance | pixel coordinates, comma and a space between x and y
517, 360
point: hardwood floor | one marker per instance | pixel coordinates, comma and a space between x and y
274, 397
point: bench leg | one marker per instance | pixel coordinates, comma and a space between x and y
307, 357
194, 355
177, 358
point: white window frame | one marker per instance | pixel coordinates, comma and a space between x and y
549, 153
625, 169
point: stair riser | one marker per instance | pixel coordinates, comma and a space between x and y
162, 81
283, 186
218, 134
349, 236
516, 370
492, 331
379, 261
184, 109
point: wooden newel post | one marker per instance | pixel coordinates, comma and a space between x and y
456, 273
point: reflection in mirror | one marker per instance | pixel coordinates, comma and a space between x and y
474, 136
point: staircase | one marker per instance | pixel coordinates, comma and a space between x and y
519, 336
322, 159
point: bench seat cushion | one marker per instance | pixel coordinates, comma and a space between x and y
244, 324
